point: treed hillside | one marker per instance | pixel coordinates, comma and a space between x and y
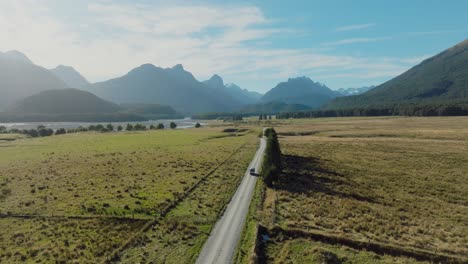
439, 79
19, 78
70, 76
64, 101
170, 86
300, 90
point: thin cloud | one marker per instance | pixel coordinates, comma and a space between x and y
355, 27
355, 40
111, 39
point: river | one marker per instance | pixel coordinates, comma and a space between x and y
181, 123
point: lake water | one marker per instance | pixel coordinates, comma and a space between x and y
181, 123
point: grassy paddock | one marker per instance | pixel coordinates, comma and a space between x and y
309, 251
179, 237
95, 192
120, 174
62, 240
396, 181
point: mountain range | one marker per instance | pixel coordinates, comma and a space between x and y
301, 90
353, 91
441, 78
19, 78
243, 96
70, 76
154, 91
169, 86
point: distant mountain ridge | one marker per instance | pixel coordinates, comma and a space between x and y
301, 90
70, 76
170, 86
64, 101
16, 56
440, 78
19, 78
354, 91
241, 95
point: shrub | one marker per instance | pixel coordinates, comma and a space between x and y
119, 128
139, 127
31, 132
197, 125
172, 125
129, 127
110, 127
60, 131
160, 126
45, 132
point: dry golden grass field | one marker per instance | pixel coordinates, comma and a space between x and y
396, 182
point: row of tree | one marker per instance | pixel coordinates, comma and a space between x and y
406, 109
219, 116
264, 117
42, 131
272, 164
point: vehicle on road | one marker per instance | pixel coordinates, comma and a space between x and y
252, 171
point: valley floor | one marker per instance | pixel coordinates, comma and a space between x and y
148, 196
366, 190
353, 190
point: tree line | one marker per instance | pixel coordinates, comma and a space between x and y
42, 131
403, 109
272, 163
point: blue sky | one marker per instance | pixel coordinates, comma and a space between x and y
255, 44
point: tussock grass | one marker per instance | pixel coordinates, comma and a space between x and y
102, 182
179, 237
398, 181
124, 174
61, 240
311, 252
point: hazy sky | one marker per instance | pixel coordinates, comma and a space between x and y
255, 44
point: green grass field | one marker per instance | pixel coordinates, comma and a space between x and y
180, 235
55, 240
113, 174
401, 182
107, 183
309, 251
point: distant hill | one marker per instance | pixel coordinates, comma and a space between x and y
301, 90
272, 108
171, 86
240, 95
64, 101
68, 105
243, 95
441, 78
353, 91
70, 76
16, 56
19, 78
152, 111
